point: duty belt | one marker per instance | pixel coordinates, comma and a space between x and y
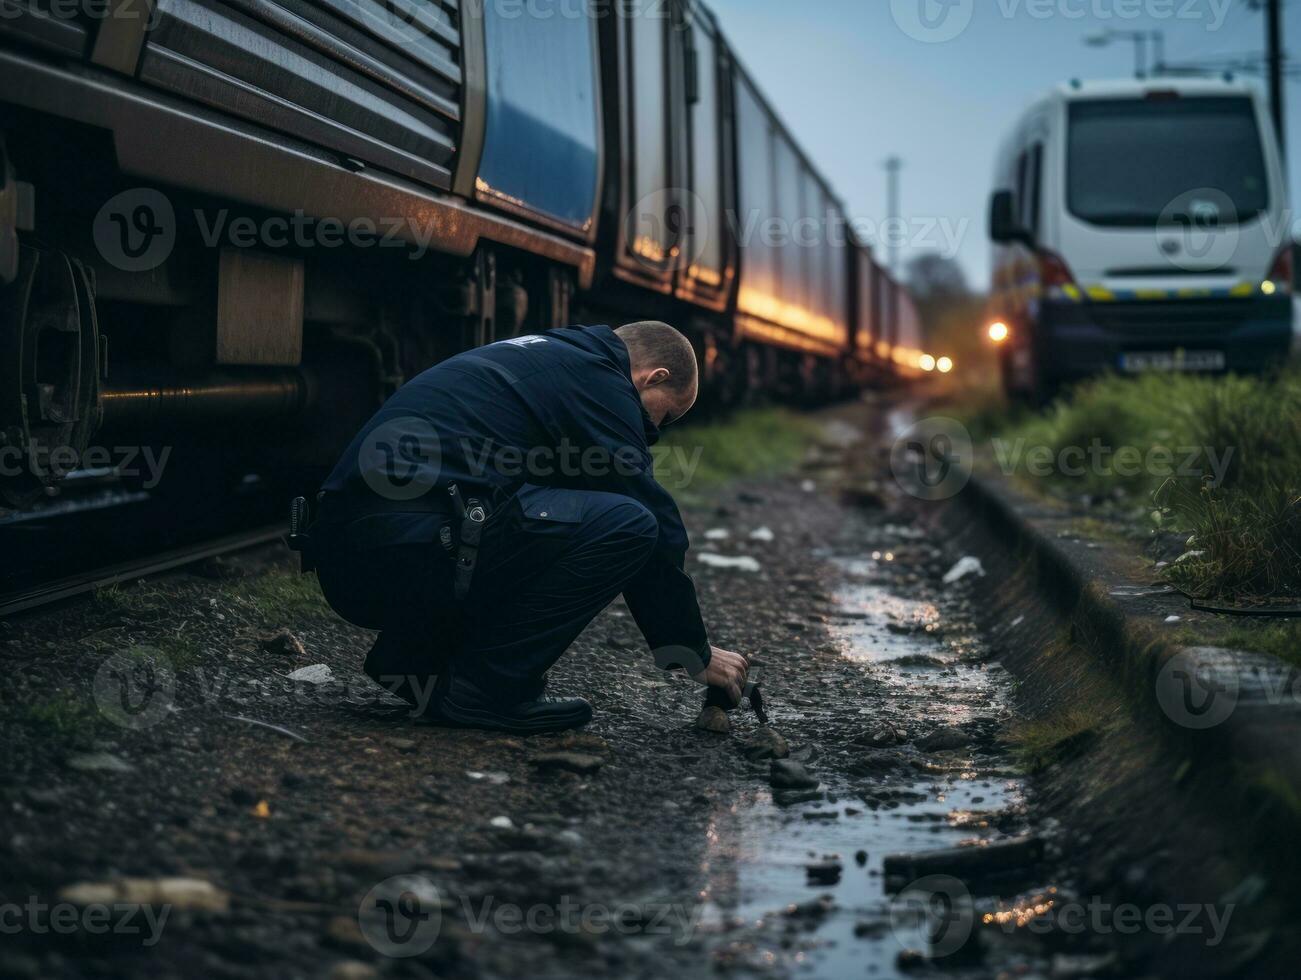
471, 516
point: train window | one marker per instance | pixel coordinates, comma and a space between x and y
649, 158
541, 143
755, 170
706, 163
790, 209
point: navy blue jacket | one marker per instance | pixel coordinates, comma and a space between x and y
558, 409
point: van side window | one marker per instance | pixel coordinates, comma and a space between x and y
1022, 168
1034, 189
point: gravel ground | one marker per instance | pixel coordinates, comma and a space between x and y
642, 847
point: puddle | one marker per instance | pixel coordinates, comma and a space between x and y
775, 914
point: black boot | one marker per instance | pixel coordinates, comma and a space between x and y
466, 705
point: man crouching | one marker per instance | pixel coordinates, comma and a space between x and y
497, 503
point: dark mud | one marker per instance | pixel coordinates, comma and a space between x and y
323, 833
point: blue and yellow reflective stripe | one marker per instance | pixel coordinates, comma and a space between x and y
1101, 294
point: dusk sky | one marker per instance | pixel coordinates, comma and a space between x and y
855, 86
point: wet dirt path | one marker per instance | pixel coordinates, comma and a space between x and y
643, 847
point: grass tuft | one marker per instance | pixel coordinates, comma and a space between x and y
279, 596
1216, 460
1043, 742
695, 459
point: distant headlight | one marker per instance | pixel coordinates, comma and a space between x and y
998, 332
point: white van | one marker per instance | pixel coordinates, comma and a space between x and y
1141, 225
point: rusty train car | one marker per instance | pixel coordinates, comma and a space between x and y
235, 226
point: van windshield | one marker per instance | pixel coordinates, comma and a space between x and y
1135, 163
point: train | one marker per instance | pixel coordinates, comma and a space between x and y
233, 227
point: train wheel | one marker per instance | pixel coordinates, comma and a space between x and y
49, 373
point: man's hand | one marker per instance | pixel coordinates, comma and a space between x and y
727, 671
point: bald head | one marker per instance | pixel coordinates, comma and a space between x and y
664, 369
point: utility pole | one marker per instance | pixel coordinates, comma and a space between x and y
1274, 26
892, 168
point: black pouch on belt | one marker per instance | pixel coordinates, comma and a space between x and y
469, 517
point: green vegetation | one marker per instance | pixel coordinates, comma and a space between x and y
136, 600
1043, 742
61, 715
1279, 639
694, 459
281, 596
1216, 459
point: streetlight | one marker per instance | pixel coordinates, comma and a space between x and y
1140, 39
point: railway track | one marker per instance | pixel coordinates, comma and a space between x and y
79, 583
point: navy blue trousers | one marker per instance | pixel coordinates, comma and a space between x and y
550, 561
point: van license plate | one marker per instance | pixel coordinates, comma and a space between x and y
1183, 360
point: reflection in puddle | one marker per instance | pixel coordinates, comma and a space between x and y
777, 914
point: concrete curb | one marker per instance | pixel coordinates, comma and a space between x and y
1229, 706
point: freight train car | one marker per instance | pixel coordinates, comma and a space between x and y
234, 226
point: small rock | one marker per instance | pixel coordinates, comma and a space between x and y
881, 737
315, 674
786, 774
910, 960
871, 930
766, 744
764, 534
860, 858
404, 744
184, 894
344, 931
502, 823
353, 970
97, 762
740, 563
824, 873
283, 644
970, 565
818, 908
714, 719
944, 739
576, 762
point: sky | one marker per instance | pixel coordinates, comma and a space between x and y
860, 80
